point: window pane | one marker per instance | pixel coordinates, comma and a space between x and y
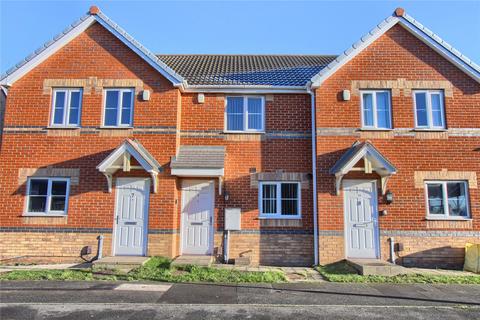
255, 113
59, 107
421, 109
111, 117
289, 190
74, 107
37, 204
289, 207
383, 110
269, 198
289, 198
435, 198
111, 108
255, 121
38, 187
57, 203
436, 110
255, 105
367, 109
235, 113
112, 99
59, 188
125, 116
126, 107
457, 199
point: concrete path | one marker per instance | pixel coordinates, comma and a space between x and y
133, 300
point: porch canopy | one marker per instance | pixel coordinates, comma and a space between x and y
373, 160
200, 161
120, 158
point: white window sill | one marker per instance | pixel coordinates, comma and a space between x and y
280, 217
244, 132
448, 218
45, 215
107, 128
64, 127
375, 129
430, 129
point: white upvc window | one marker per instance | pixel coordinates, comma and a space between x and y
118, 107
66, 107
47, 196
280, 200
376, 109
429, 109
245, 114
447, 199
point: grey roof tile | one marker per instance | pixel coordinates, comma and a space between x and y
247, 70
199, 157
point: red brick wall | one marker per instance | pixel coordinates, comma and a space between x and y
245, 151
97, 53
395, 55
94, 53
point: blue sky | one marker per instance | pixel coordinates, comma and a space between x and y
288, 27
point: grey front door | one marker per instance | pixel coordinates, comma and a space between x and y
131, 216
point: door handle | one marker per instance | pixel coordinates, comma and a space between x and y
211, 220
116, 219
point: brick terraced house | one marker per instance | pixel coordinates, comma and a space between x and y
214, 154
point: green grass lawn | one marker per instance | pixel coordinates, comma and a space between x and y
342, 272
156, 269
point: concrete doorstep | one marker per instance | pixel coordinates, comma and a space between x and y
122, 264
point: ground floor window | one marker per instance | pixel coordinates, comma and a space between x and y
279, 200
47, 196
447, 199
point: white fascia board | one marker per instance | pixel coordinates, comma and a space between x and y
149, 57
440, 49
197, 172
47, 52
245, 89
115, 155
371, 153
353, 51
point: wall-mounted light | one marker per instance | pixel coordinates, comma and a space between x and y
389, 197
200, 98
226, 195
346, 95
146, 95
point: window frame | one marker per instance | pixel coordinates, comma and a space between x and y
446, 215
66, 113
428, 93
278, 215
374, 109
119, 107
245, 115
48, 212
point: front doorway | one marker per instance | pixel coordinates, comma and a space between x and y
197, 216
131, 216
361, 219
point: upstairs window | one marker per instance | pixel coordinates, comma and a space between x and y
429, 111
66, 107
279, 200
118, 111
376, 109
245, 114
47, 196
447, 199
